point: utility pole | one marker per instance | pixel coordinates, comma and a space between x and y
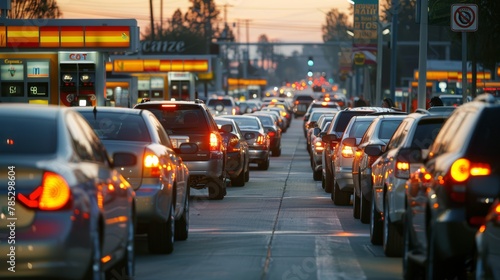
152, 19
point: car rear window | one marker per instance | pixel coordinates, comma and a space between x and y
215, 102
426, 132
178, 117
484, 145
359, 128
117, 126
344, 117
28, 136
387, 128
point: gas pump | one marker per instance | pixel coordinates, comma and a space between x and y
77, 83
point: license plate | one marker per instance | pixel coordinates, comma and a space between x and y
178, 140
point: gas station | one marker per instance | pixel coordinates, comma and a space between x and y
61, 61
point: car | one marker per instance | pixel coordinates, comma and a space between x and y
282, 112
192, 122
259, 144
280, 120
390, 172
316, 146
377, 135
487, 246
437, 110
237, 153
448, 199
64, 205
162, 194
222, 105
343, 157
273, 131
301, 102
453, 99
332, 137
311, 122
319, 105
246, 107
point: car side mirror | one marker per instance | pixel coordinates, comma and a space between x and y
350, 141
373, 150
226, 128
410, 155
330, 137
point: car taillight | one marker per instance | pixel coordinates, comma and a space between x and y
214, 142
402, 170
347, 152
261, 140
271, 134
53, 194
318, 146
151, 165
460, 171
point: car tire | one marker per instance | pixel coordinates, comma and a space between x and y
126, 265
411, 269
364, 209
216, 190
317, 175
323, 181
94, 271
355, 205
161, 235
247, 174
264, 165
376, 225
340, 198
182, 225
328, 181
392, 238
239, 181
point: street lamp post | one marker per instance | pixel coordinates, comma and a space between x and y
378, 83
394, 48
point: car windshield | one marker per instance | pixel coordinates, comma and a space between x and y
118, 126
28, 136
247, 123
178, 117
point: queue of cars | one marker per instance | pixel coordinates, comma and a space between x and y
428, 183
98, 176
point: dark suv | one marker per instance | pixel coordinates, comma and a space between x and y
448, 200
190, 121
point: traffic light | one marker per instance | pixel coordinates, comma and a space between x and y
309, 73
310, 61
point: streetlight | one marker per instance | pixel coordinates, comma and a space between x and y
383, 29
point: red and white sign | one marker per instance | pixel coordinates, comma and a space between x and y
464, 17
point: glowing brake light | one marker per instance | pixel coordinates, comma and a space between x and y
462, 169
271, 134
214, 142
53, 194
260, 140
318, 146
347, 152
402, 169
151, 166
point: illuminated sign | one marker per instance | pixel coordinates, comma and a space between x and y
77, 57
38, 69
65, 36
12, 70
159, 65
452, 75
38, 89
15, 89
246, 82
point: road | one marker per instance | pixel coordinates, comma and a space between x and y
280, 225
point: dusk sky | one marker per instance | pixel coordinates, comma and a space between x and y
280, 20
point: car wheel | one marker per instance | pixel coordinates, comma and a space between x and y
264, 165
216, 190
411, 270
247, 175
239, 181
376, 225
94, 271
364, 209
355, 205
322, 181
317, 175
182, 225
340, 197
161, 235
126, 265
328, 181
392, 239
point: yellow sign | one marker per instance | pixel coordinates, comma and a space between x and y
359, 58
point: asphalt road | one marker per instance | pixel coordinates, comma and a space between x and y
280, 225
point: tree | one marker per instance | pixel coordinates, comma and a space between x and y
264, 49
32, 9
335, 31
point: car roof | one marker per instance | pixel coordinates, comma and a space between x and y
31, 110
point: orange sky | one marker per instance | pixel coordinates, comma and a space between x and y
280, 20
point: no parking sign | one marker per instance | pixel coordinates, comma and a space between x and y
464, 17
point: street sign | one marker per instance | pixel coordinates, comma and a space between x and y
464, 17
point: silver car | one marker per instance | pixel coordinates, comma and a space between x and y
158, 176
65, 210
